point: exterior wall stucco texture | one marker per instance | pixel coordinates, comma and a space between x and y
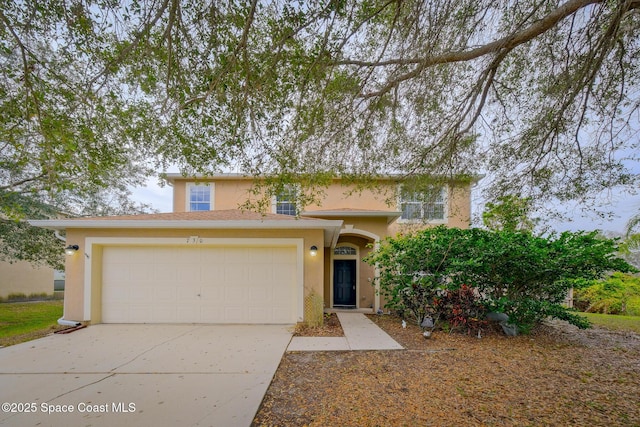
22, 277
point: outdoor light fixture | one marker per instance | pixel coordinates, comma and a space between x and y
314, 250
71, 249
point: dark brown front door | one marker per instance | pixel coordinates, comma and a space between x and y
344, 282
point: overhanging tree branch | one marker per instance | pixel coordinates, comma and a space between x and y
507, 42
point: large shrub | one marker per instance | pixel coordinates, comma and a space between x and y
416, 269
617, 294
522, 275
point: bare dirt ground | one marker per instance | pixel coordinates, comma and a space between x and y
557, 376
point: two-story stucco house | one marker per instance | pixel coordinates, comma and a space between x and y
209, 262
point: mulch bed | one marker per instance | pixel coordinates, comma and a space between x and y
558, 375
330, 328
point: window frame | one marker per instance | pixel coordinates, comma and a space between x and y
190, 186
444, 191
292, 189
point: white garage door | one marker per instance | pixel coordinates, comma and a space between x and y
186, 284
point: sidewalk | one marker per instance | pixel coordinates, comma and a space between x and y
360, 333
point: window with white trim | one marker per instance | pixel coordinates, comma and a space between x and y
285, 201
199, 197
428, 205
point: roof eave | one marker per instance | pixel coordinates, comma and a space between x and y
391, 216
172, 177
331, 227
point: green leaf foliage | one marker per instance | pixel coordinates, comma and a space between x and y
19, 241
543, 95
617, 294
510, 213
517, 273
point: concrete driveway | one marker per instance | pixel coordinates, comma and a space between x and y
171, 375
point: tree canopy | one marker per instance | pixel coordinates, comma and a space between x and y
540, 95
509, 213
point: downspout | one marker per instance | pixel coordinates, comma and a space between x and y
62, 321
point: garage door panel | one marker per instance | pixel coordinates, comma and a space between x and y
284, 273
164, 272
185, 256
208, 315
235, 274
257, 313
116, 273
115, 293
164, 255
235, 315
186, 314
260, 272
284, 255
164, 294
281, 315
137, 313
282, 296
235, 295
142, 272
164, 313
235, 255
187, 284
211, 271
140, 293
133, 255
259, 294
186, 293
265, 256
212, 293
191, 273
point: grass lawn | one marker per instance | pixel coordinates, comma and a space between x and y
614, 322
23, 321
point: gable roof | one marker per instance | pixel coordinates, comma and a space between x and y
221, 219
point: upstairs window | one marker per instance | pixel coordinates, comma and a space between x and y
199, 197
429, 205
286, 202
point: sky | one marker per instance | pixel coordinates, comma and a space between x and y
623, 206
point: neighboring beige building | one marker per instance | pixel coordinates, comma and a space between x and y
21, 277
209, 262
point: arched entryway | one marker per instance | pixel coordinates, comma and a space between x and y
352, 281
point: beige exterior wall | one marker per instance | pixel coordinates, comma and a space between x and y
230, 193
339, 196
75, 266
22, 277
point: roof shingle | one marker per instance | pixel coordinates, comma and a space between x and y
221, 215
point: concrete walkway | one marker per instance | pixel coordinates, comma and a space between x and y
360, 333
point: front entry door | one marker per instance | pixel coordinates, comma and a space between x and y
344, 282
